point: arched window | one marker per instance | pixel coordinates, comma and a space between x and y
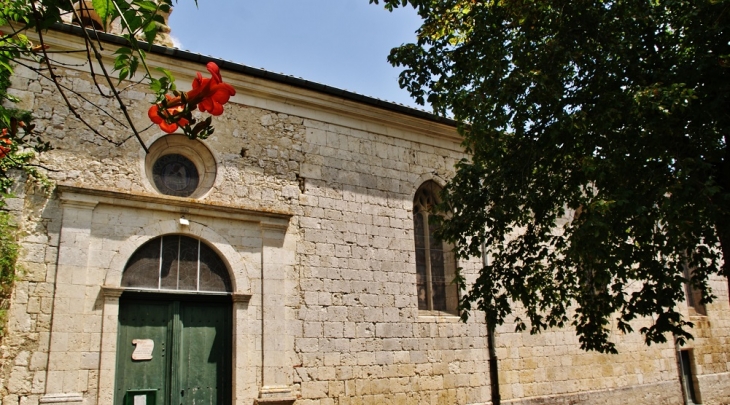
176, 262
435, 261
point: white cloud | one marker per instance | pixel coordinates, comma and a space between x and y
176, 42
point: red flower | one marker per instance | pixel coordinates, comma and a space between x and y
210, 94
5, 139
163, 116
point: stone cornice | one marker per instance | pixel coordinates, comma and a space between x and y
187, 206
116, 292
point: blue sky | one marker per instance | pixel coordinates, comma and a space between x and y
341, 43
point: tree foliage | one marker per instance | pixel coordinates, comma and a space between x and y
598, 133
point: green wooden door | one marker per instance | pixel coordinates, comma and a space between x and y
143, 321
204, 361
190, 363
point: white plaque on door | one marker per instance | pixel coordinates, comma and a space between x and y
142, 351
140, 399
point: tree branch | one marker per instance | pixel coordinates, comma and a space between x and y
122, 106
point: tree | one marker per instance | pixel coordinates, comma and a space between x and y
599, 138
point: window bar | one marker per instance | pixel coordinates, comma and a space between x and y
159, 268
177, 281
427, 253
197, 288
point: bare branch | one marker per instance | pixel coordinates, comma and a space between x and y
66, 64
88, 55
60, 88
137, 83
10, 157
122, 106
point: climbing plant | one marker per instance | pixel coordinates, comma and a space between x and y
8, 258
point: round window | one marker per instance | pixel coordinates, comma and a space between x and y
180, 167
175, 175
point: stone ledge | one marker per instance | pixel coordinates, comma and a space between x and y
62, 398
275, 395
275, 401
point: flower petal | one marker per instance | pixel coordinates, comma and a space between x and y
206, 105
169, 128
214, 71
154, 114
198, 80
217, 109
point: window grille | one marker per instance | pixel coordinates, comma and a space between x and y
176, 262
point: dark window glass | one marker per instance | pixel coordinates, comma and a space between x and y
421, 277
168, 268
175, 175
212, 271
188, 270
176, 262
438, 275
689, 384
435, 264
143, 267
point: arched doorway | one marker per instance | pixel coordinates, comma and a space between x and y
174, 339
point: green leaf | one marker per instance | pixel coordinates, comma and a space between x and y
121, 62
167, 74
155, 85
150, 32
123, 51
133, 65
123, 73
145, 5
6, 67
104, 8
134, 21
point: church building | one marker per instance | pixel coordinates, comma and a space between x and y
287, 259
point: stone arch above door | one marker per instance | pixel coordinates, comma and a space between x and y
233, 259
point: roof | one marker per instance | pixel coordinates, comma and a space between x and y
265, 74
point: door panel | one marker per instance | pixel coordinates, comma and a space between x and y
191, 360
143, 320
204, 357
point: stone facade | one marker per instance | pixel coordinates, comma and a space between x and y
311, 208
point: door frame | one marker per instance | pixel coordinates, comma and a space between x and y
241, 329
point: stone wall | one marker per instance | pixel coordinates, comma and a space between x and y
338, 320
362, 338
24, 349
